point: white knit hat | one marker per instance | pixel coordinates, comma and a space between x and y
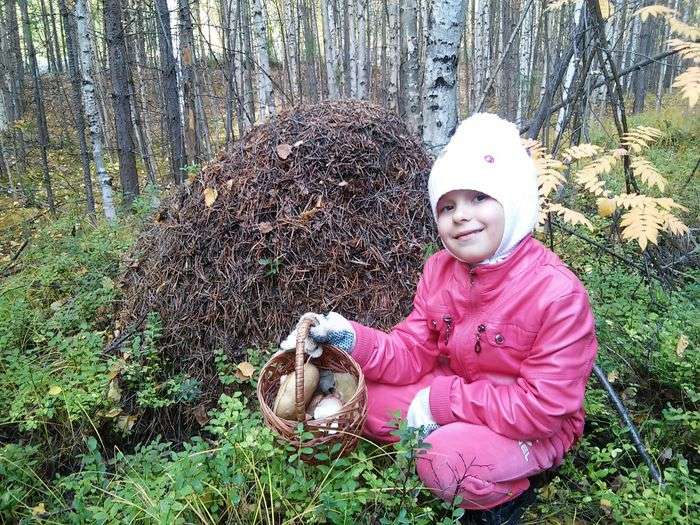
485, 154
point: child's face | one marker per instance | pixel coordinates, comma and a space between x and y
470, 224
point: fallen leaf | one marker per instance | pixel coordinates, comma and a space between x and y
265, 227
114, 393
283, 151
605, 503
200, 414
113, 413
298, 143
210, 195
245, 370
126, 423
55, 390
229, 184
681, 345
39, 509
343, 184
666, 454
613, 376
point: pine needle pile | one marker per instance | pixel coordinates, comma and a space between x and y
321, 208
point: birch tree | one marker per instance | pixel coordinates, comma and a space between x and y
482, 30
72, 54
363, 72
411, 89
331, 48
84, 37
571, 68
444, 32
393, 53
266, 102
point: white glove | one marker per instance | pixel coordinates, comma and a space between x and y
332, 329
419, 415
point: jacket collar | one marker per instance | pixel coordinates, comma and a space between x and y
490, 276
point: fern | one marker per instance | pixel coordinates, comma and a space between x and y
642, 224
640, 138
687, 50
689, 84
582, 151
589, 175
647, 172
569, 215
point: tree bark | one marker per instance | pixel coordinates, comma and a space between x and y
331, 48
121, 99
409, 13
72, 54
440, 115
363, 71
266, 101
393, 56
309, 51
83, 27
170, 92
40, 111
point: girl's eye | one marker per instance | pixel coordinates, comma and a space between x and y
481, 197
446, 207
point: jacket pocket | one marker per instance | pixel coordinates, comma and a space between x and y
441, 326
507, 336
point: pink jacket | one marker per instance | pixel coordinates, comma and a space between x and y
518, 336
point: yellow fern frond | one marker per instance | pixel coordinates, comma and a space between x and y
689, 83
589, 175
642, 224
582, 151
681, 28
654, 10
534, 148
549, 177
667, 203
634, 200
686, 50
570, 216
674, 225
647, 172
640, 137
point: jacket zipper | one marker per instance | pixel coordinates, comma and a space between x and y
477, 344
448, 327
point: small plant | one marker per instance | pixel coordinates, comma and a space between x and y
271, 265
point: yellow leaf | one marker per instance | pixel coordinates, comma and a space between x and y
265, 227
229, 184
605, 503
210, 195
605, 8
681, 345
606, 207
55, 390
689, 84
245, 370
114, 393
39, 509
113, 413
126, 423
613, 376
283, 151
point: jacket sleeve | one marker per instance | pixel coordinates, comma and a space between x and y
405, 354
551, 384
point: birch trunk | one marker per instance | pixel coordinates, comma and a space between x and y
571, 68
525, 65
309, 51
482, 51
42, 127
83, 27
411, 89
393, 56
352, 47
508, 79
332, 58
362, 59
72, 54
16, 85
440, 116
266, 102
291, 48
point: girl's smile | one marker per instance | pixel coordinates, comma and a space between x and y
470, 224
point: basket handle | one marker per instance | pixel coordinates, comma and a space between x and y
299, 357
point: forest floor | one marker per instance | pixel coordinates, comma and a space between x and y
65, 453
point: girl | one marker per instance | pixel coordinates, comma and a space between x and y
492, 362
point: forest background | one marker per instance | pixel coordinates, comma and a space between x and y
108, 107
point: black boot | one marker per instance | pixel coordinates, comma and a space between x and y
508, 513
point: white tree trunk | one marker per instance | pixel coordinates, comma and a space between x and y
352, 48
362, 59
266, 102
331, 48
440, 116
393, 55
409, 20
291, 47
570, 69
524, 65
481, 54
82, 17
662, 69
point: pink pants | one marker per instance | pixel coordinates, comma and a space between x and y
472, 461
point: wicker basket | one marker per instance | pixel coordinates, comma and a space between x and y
346, 424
